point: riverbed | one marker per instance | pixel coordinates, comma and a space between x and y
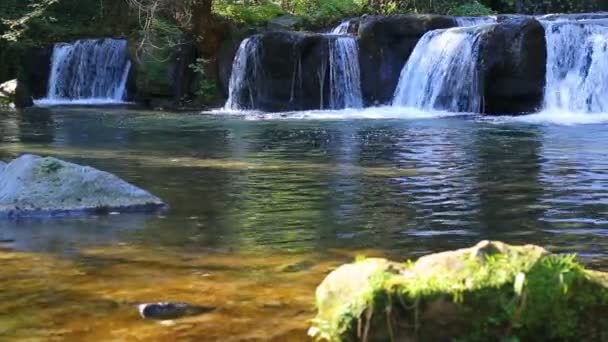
263, 206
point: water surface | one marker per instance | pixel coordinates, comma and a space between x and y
264, 206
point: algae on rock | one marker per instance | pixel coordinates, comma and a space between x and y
490, 292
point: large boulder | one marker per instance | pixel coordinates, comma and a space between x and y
286, 71
490, 292
36, 186
513, 59
385, 44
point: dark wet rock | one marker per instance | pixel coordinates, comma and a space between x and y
489, 292
33, 77
35, 186
167, 311
385, 44
289, 71
513, 59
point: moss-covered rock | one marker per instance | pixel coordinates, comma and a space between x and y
32, 186
490, 292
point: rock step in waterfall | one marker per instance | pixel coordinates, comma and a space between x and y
337, 75
491, 65
88, 72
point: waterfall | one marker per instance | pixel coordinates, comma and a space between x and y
345, 76
474, 21
577, 66
342, 28
441, 73
243, 79
88, 72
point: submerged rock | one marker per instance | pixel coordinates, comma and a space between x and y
490, 292
35, 186
166, 311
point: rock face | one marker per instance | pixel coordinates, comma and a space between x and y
490, 292
288, 71
385, 43
513, 59
34, 186
33, 77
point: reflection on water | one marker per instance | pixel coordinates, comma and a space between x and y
262, 210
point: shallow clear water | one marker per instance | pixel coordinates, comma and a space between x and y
263, 206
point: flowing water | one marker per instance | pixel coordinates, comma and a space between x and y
474, 21
262, 210
577, 66
344, 73
246, 71
88, 72
441, 73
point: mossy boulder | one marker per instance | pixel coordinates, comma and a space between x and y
32, 186
490, 292
7, 92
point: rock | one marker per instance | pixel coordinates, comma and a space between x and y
36, 186
490, 292
7, 92
513, 59
295, 72
167, 311
33, 78
385, 44
285, 22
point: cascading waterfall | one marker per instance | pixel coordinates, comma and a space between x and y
441, 73
245, 69
474, 21
88, 71
344, 70
342, 28
345, 76
577, 66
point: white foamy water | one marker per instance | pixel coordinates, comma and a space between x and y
375, 113
344, 75
474, 21
577, 67
441, 73
88, 72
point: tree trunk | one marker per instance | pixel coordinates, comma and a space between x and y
209, 32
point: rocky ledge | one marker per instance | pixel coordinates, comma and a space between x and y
490, 292
32, 186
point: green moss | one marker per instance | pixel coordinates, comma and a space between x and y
491, 292
50, 165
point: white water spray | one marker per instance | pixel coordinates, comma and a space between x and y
441, 73
88, 72
345, 76
577, 66
245, 69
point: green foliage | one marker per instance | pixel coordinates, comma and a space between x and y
470, 9
255, 13
206, 91
155, 60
